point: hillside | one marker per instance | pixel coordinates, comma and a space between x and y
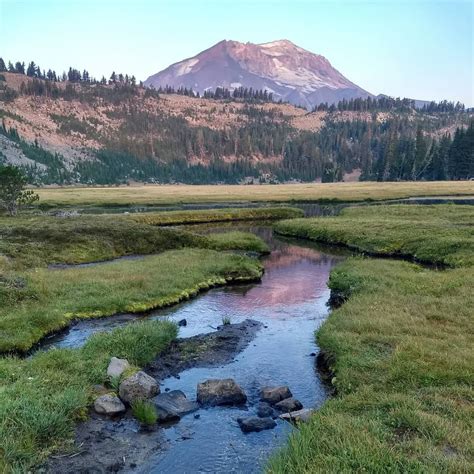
287, 71
66, 132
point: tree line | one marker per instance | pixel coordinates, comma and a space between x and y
387, 104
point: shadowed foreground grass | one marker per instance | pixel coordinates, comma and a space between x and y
41, 240
42, 398
399, 349
48, 300
438, 234
176, 194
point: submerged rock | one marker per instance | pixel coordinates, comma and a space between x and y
289, 404
117, 367
182, 322
253, 423
220, 392
139, 386
302, 415
264, 410
172, 405
109, 405
274, 395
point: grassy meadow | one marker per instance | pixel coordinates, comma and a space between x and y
177, 194
399, 349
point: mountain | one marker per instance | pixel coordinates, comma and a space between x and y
291, 73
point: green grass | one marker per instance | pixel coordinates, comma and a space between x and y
51, 299
216, 215
399, 349
37, 241
145, 412
438, 234
42, 398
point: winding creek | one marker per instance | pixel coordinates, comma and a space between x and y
291, 302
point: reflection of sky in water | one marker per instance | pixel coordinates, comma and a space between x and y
290, 301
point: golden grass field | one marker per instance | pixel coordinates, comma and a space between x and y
173, 194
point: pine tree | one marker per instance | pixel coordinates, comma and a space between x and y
421, 151
20, 67
3, 68
31, 71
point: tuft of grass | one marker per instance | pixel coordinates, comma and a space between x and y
435, 234
60, 296
145, 412
400, 349
41, 398
178, 194
237, 240
114, 383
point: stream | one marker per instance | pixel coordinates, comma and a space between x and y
291, 302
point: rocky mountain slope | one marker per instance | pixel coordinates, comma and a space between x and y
289, 72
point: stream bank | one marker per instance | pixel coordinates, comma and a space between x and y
105, 444
289, 303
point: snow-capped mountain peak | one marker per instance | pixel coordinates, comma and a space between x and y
289, 71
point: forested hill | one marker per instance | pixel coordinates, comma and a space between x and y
77, 130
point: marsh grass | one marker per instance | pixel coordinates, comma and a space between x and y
400, 348
42, 398
436, 234
216, 215
178, 194
57, 297
27, 242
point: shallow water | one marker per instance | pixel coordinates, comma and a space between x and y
291, 303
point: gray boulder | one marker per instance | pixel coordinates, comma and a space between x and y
139, 386
117, 367
109, 405
220, 392
274, 395
298, 416
172, 405
288, 405
264, 410
253, 423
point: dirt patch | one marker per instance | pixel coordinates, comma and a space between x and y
114, 445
